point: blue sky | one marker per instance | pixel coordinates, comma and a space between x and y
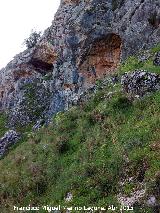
17, 18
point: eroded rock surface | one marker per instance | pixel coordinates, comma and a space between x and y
86, 41
102, 58
43, 57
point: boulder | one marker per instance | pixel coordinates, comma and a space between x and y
140, 82
157, 59
9, 138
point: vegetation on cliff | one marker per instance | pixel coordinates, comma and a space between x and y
99, 151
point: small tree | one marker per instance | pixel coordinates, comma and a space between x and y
32, 40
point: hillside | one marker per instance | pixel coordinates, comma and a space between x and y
79, 112
100, 153
86, 42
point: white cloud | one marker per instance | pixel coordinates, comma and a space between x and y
17, 18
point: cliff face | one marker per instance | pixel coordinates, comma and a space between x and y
86, 41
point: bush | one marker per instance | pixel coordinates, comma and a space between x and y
32, 40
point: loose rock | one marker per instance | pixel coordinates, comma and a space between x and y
10, 138
140, 82
157, 59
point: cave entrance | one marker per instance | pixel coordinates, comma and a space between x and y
102, 59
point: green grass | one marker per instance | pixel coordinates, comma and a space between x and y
155, 49
87, 151
133, 63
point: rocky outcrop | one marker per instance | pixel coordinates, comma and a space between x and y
157, 59
140, 82
24, 92
31, 102
86, 41
43, 57
10, 138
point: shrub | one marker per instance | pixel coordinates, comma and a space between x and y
32, 40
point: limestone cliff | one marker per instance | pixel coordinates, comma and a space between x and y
86, 41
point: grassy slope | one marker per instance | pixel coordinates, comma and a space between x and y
88, 151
